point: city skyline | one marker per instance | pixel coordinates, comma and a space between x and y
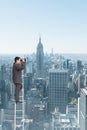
49, 102
62, 26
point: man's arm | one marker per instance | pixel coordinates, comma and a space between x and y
20, 66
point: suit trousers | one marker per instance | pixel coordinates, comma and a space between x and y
18, 87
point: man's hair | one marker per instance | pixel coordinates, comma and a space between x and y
16, 58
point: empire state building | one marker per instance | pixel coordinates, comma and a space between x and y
40, 60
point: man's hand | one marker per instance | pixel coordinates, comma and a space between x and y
23, 60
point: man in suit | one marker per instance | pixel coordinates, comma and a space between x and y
18, 66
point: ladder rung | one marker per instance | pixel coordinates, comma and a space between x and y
19, 110
18, 117
18, 125
20, 96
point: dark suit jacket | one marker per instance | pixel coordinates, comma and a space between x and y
17, 72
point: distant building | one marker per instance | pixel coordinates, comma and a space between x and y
57, 90
38, 112
29, 67
83, 109
40, 60
85, 78
0, 127
81, 79
28, 76
41, 86
79, 65
27, 82
64, 121
35, 109
73, 109
3, 72
1, 116
3, 94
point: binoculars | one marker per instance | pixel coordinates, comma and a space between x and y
23, 59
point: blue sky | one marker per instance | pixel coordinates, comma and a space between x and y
62, 25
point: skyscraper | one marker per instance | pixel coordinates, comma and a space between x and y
83, 109
28, 76
57, 91
79, 65
3, 89
40, 59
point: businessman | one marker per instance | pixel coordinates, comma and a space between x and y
18, 66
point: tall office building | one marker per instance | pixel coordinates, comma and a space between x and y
40, 60
79, 65
57, 91
27, 82
83, 109
28, 76
29, 67
3, 72
3, 93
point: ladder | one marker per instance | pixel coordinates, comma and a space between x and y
19, 112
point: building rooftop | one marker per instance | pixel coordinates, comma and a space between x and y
85, 90
64, 120
58, 71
